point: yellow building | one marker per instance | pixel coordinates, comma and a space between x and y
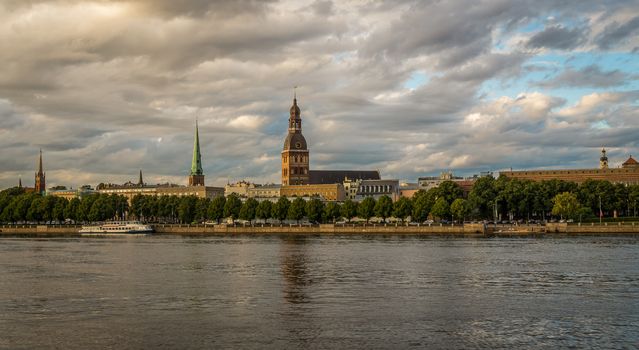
627, 174
198, 191
328, 192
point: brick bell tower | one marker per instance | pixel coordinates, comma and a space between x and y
295, 158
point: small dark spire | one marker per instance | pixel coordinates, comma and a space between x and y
40, 165
140, 182
20, 182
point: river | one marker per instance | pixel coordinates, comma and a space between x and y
284, 292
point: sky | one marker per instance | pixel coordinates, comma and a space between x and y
410, 88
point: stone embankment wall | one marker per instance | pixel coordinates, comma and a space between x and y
469, 229
477, 230
606, 228
40, 229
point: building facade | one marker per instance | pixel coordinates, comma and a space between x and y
240, 189
198, 191
270, 192
358, 190
328, 192
70, 194
295, 155
627, 174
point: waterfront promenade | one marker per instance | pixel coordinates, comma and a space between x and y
477, 230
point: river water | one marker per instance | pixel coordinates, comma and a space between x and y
282, 292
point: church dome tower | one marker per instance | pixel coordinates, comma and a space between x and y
295, 160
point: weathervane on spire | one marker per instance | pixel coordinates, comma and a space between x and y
295, 92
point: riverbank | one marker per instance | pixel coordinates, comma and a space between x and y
472, 230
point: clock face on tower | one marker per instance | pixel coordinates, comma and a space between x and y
298, 145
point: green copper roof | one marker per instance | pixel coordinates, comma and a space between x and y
196, 163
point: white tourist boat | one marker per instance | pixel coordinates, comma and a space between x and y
117, 227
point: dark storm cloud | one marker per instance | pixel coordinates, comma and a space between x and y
109, 87
589, 76
615, 33
558, 37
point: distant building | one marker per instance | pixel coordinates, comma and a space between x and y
429, 182
270, 192
408, 190
240, 189
326, 192
71, 193
357, 190
198, 191
40, 178
339, 176
627, 174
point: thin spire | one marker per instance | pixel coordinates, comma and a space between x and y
40, 163
140, 182
20, 182
196, 163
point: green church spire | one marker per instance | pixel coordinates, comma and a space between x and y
196, 163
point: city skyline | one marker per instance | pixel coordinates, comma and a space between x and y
495, 86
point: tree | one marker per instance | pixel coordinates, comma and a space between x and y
348, 210
201, 208
280, 209
297, 209
384, 207
460, 209
402, 208
263, 210
366, 208
186, 209
566, 205
482, 197
633, 198
71, 211
216, 208
137, 204
441, 209
59, 209
232, 207
248, 210
331, 211
422, 203
314, 210
449, 190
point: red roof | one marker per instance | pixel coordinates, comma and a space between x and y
630, 161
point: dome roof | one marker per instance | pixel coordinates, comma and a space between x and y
630, 162
295, 141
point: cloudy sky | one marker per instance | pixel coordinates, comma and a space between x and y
411, 88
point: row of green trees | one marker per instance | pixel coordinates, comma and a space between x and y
443, 202
489, 198
525, 199
18, 206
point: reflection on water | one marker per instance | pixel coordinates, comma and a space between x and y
294, 269
318, 292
